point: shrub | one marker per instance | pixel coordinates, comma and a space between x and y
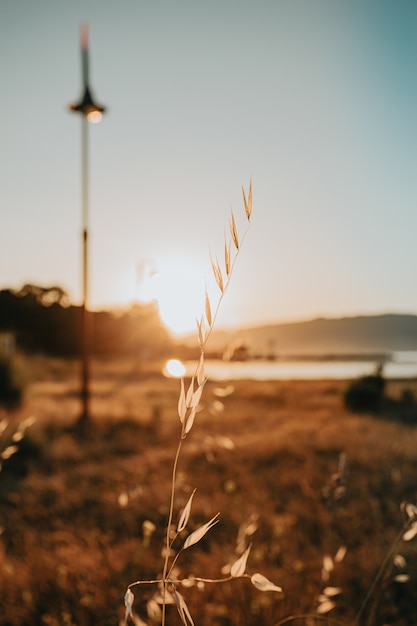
408, 396
366, 393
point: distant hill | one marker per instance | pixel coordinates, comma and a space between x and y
363, 335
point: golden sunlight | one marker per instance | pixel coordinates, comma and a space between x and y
174, 368
179, 292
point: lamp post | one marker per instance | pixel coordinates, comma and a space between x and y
91, 113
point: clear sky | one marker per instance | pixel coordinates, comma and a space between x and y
315, 100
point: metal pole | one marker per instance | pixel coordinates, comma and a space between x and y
91, 112
85, 362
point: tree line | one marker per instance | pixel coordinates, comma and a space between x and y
43, 320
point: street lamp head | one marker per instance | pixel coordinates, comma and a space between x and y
87, 107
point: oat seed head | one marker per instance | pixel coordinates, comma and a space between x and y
185, 515
200, 532
233, 230
260, 582
238, 568
208, 310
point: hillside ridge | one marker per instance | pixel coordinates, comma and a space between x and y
361, 334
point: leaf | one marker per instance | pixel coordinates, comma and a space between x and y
208, 310
262, 583
328, 565
218, 276
183, 610
233, 231
185, 515
200, 532
238, 568
190, 393
329, 592
227, 258
215, 265
248, 202
9, 451
411, 510
196, 397
411, 532
402, 578
325, 607
340, 554
129, 598
28, 421
182, 405
399, 561
190, 421
200, 370
201, 331
193, 402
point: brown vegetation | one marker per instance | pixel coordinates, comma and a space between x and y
75, 509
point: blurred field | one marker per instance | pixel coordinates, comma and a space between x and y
73, 505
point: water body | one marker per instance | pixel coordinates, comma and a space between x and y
402, 365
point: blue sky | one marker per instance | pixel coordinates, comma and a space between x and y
315, 100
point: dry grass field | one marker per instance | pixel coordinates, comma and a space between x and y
283, 462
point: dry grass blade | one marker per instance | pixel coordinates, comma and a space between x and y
248, 202
183, 610
188, 405
227, 258
200, 370
329, 592
250, 199
189, 421
402, 578
208, 310
217, 274
129, 598
201, 331
260, 582
340, 554
196, 396
411, 532
190, 394
411, 510
328, 565
233, 231
326, 607
8, 452
182, 404
200, 532
238, 568
185, 515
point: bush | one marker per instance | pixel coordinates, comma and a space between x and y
366, 393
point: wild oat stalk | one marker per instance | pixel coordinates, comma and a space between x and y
407, 533
188, 402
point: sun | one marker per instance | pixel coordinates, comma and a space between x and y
179, 290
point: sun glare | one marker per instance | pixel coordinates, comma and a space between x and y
179, 292
174, 368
